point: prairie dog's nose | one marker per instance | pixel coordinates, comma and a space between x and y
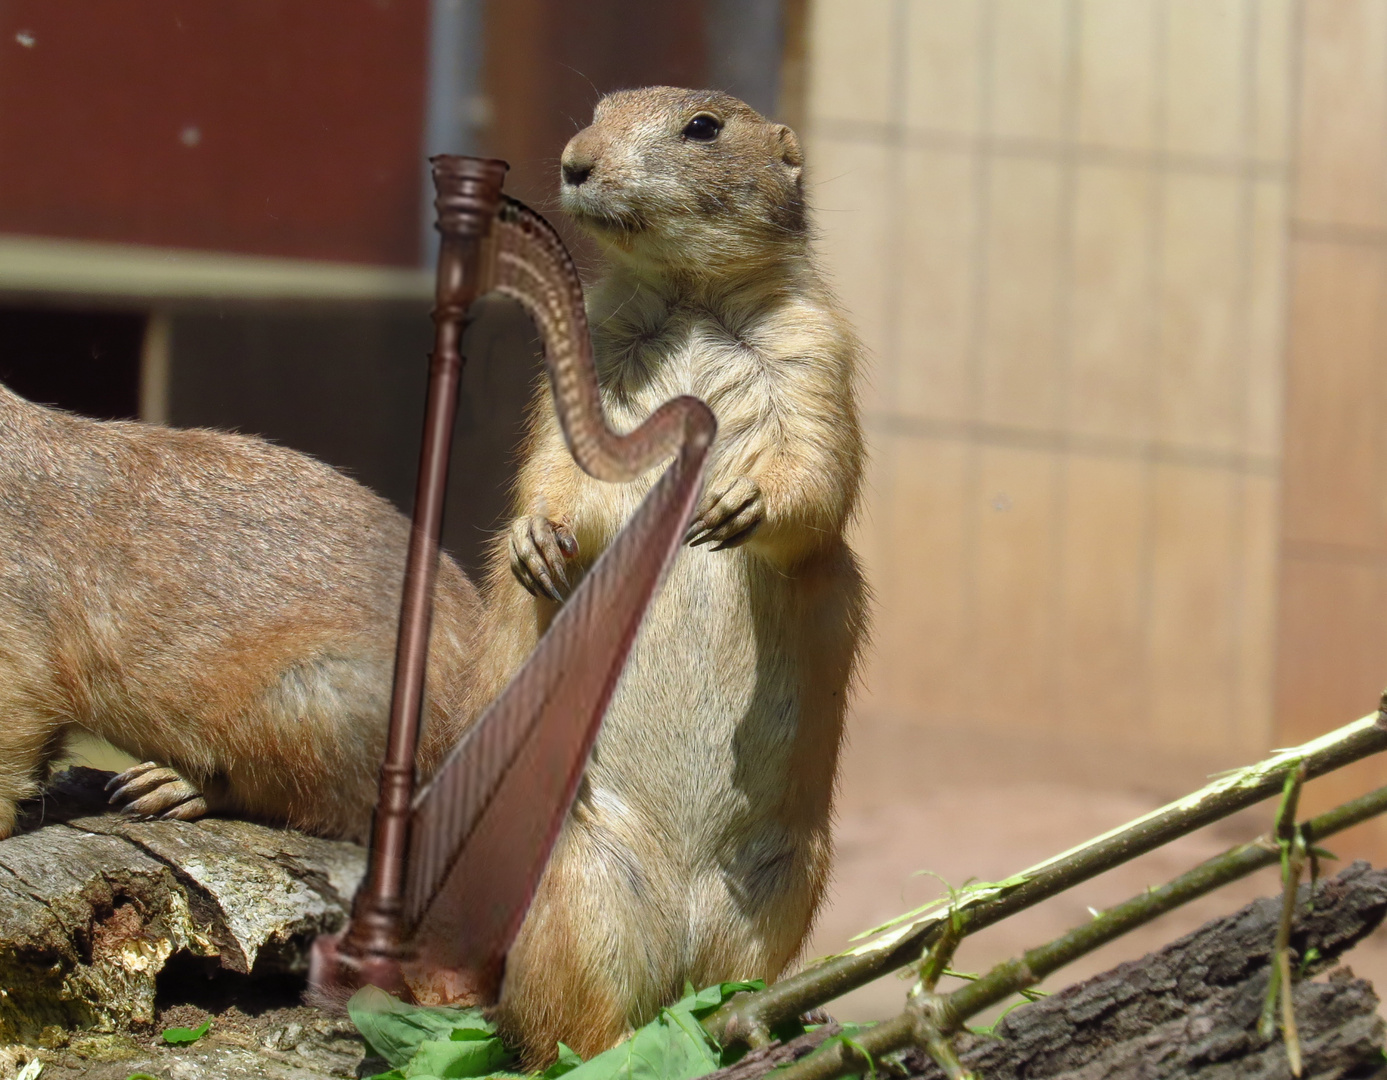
580, 157
576, 170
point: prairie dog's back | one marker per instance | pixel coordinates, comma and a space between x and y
178, 518
208, 600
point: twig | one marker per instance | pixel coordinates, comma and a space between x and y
1292, 848
923, 1001
748, 1016
932, 1037
941, 953
1288, 1029
951, 1010
973, 976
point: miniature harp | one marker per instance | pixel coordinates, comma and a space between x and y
453, 867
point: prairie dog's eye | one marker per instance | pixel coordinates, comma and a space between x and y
703, 128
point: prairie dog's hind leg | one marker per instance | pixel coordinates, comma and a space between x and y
153, 790
27, 744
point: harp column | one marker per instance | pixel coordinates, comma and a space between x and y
372, 948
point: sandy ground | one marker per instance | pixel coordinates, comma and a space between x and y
971, 807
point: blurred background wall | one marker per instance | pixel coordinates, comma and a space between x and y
1062, 228
1119, 264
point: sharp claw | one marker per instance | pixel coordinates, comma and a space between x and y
188, 811
163, 799
147, 781
546, 584
123, 778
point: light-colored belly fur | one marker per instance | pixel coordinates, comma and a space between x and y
699, 846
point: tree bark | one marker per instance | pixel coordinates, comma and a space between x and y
1189, 1009
93, 906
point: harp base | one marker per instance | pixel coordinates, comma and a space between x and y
336, 970
338, 967
463, 988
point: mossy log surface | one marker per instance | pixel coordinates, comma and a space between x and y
94, 906
1189, 1009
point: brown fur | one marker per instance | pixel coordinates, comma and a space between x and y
699, 848
209, 601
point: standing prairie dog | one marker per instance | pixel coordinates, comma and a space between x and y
699, 847
215, 603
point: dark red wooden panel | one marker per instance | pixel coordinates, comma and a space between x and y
282, 127
548, 61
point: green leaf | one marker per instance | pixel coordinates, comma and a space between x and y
714, 997
848, 1040
177, 1036
567, 1062
662, 1050
441, 1044
395, 1030
991, 1030
458, 1057
673, 1046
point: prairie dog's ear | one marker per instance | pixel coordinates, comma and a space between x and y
790, 152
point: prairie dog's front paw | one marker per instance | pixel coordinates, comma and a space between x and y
150, 790
539, 550
728, 516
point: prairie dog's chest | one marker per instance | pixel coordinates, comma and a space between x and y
648, 350
660, 350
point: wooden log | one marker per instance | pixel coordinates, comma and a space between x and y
93, 907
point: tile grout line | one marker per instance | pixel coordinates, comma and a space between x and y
1155, 257
1236, 565
944, 140
972, 479
1064, 348
1295, 62
1077, 444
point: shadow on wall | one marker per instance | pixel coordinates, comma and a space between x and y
344, 386
349, 389
88, 362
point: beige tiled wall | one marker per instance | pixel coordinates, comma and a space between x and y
1333, 575
1062, 226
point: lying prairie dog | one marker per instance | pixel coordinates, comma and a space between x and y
216, 604
699, 847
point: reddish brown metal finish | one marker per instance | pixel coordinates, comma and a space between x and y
373, 947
